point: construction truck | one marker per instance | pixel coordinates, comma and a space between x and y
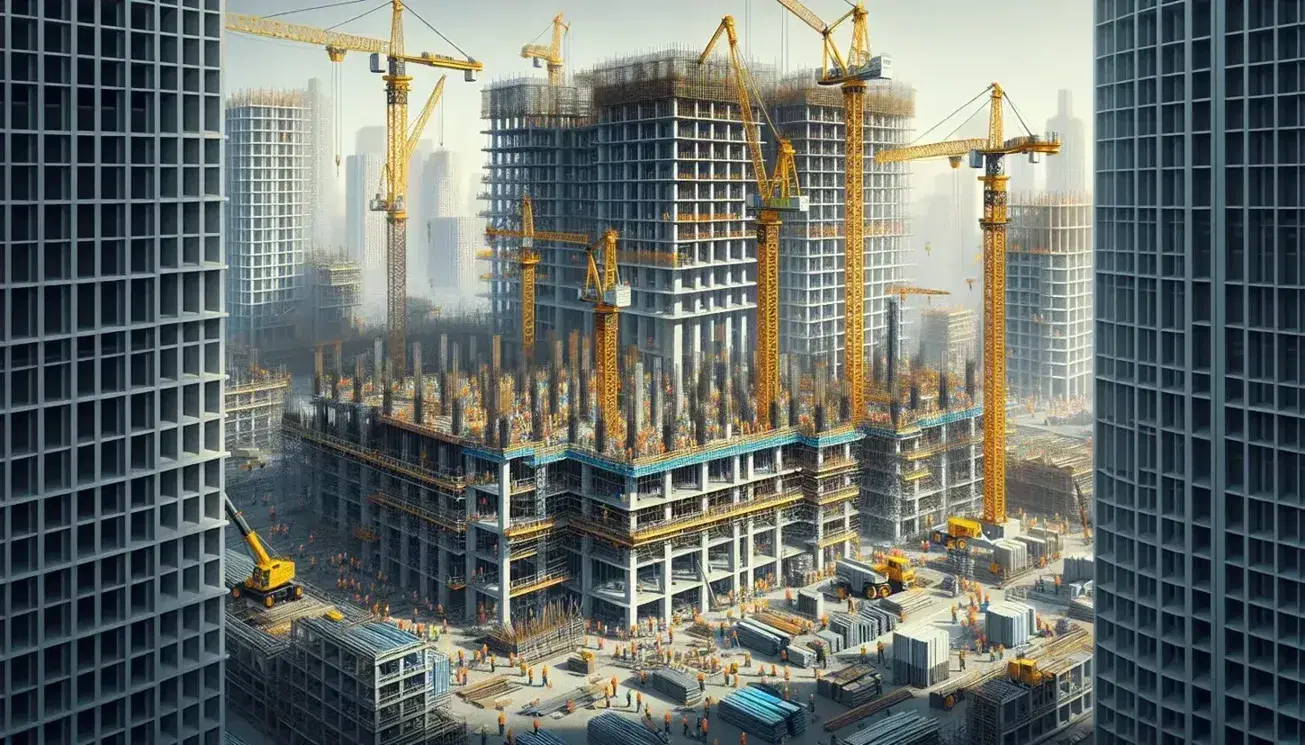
273, 579
876, 580
958, 533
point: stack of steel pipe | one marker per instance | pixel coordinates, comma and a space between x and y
609, 728
866, 710
811, 603
1081, 609
762, 714
542, 737
1010, 623
761, 637
903, 728
680, 686
781, 621
921, 656
907, 603
578, 698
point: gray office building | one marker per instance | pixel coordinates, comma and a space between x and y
111, 373
1199, 403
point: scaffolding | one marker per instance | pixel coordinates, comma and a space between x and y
255, 400
1046, 471
334, 297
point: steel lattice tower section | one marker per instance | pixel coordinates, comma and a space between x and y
854, 245
994, 331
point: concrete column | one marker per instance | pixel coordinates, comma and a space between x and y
738, 532
631, 595
668, 585
378, 363
504, 555
586, 577
667, 482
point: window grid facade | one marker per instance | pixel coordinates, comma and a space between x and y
111, 373
1199, 282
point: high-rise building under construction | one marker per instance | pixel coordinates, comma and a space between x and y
654, 147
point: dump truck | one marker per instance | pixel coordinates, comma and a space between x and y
958, 533
876, 580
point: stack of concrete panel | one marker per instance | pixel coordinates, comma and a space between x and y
679, 686
761, 637
1011, 555
1037, 547
1055, 540
1079, 569
905, 603
921, 656
833, 642
903, 728
855, 630
800, 656
811, 603
1010, 623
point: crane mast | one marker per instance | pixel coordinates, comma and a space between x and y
550, 55
398, 84
989, 155
777, 192
850, 71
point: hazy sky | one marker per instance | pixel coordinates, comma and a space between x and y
949, 50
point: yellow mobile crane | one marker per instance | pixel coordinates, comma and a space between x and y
393, 201
989, 154
549, 55
850, 71
777, 192
273, 579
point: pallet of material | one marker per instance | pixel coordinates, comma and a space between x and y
921, 656
578, 698
610, 728
764, 715
885, 619
680, 686
759, 637
833, 642
1081, 609
906, 603
800, 656
1079, 568
850, 716
699, 629
853, 685
583, 663
1009, 624
855, 630
811, 603
903, 728
487, 690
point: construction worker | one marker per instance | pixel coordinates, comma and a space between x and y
613, 685
530, 675
704, 730
706, 707
702, 682
629, 698
536, 724
484, 736
811, 705
638, 700
962, 659
668, 722
863, 658
508, 737
685, 720
544, 673
502, 722
783, 655
747, 659
879, 647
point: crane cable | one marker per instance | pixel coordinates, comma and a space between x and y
447, 40
314, 7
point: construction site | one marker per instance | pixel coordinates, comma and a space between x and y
694, 462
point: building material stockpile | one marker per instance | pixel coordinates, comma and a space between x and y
761, 637
905, 728
762, 714
486, 692
781, 621
542, 737
610, 728
833, 642
799, 656
921, 656
1010, 624
583, 662
556, 630
954, 690
833, 724
906, 603
852, 686
1082, 609
681, 686
1011, 555
1079, 569
566, 702
811, 603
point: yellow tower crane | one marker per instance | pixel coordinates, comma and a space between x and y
393, 201
989, 154
777, 192
604, 290
850, 71
549, 55
903, 290
527, 259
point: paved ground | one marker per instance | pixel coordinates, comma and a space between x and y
298, 527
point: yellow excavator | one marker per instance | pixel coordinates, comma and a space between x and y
273, 579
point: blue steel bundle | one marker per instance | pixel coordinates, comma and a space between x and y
610, 728
762, 714
542, 737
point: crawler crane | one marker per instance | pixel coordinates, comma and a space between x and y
988, 154
777, 192
850, 71
273, 579
388, 59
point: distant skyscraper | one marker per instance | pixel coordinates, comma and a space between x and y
364, 227
325, 225
453, 242
439, 199
1067, 171
370, 140
268, 179
111, 375
1200, 407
